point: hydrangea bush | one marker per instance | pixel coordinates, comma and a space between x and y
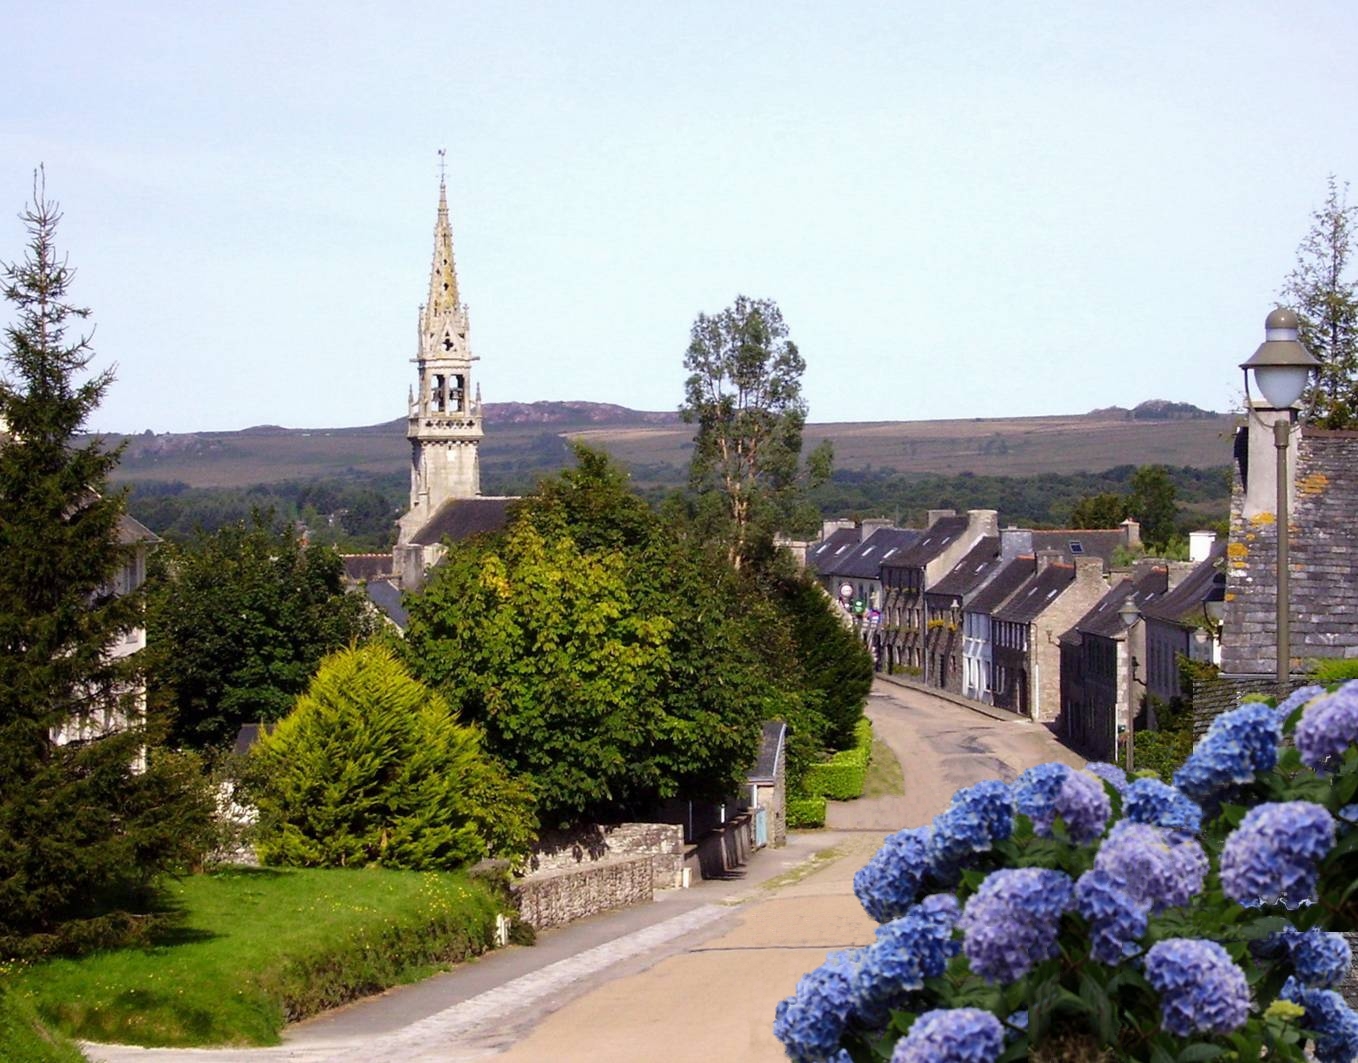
1149, 921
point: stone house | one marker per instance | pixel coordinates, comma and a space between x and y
1180, 624
1323, 497
1027, 655
978, 655
1099, 661
911, 572
943, 610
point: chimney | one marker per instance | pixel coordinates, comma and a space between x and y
829, 527
1048, 557
1200, 545
873, 524
983, 521
1089, 570
1131, 533
937, 515
1015, 542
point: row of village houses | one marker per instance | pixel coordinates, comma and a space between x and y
1027, 620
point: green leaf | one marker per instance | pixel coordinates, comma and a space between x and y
1199, 1052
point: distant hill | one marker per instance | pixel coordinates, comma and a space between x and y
526, 440
1155, 410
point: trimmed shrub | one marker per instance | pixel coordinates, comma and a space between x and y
840, 778
372, 767
804, 812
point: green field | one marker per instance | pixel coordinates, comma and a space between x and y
518, 450
252, 949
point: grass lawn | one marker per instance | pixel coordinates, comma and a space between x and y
24, 1040
254, 948
884, 772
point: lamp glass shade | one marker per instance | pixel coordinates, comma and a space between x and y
1129, 613
1281, 385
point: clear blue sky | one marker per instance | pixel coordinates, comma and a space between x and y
964, 209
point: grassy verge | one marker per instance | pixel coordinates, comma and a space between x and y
23, 1039
255, 948
884, 778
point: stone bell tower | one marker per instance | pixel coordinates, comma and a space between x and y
444, 411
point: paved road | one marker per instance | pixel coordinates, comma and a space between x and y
694, 976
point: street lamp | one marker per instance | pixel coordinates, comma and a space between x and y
1282, 367
1130, 614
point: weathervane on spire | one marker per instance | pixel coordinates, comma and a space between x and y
443, 152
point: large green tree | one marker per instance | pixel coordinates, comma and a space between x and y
1153, 501
1323, 290
544, 646
84, 826
373, 767
744, 393
237, 622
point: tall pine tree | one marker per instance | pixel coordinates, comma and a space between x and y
84, 825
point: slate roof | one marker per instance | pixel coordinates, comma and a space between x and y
1207, 582
765, 768
1006, 582
865, 560
822, 556
359, 568
131, 530
1103, 620
384, 594
932, 542
1038, 593
980, 563
461, 518
1080, 542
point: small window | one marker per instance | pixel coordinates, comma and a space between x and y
1076, 547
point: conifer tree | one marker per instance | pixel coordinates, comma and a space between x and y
84, 826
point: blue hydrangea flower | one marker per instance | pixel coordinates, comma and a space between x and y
1051, 790
978, 817
1297, 699
812, 1020
1319, 958
1334, 1023
1156, 867
1151, 801
952, 1035
1201, 989
1116, 919
1011, 923
1271, 857
1238, 746
907, 951
1328, 727
888, 884
1109, 773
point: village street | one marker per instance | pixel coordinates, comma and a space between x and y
694, 976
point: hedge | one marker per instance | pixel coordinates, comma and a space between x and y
842, 776
803, 812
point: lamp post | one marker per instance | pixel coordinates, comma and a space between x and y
1281, 367
1129, 613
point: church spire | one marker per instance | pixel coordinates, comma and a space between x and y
443, 295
